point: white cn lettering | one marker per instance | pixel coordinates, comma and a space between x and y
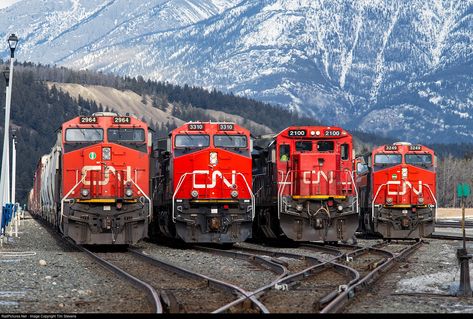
319, 174
214, 179
405, 185
106, 174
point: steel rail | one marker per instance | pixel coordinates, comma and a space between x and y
330, 249
312, 271
453, 224
273, 266
307, 272
343, 298
151, 293
277, 254
222, 285
450, 236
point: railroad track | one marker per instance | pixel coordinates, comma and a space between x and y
173, 289
328, 285
453, 224
311, 281
151, 294
343, 298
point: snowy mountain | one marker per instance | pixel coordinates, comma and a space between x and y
399, 68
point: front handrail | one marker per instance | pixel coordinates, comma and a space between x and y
150, 208
435, 200
290, 173
181, 182
374, 200
355, 202
63, 200
379, 189
251, 194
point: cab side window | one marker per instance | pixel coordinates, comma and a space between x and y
284, 153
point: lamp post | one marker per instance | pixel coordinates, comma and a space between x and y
5, 173
13, 183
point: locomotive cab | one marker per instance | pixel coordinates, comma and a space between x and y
105, 179
205, 190
397, 193
306, 191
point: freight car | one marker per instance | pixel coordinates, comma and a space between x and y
397, 184
202, 185
304, 186
94, 184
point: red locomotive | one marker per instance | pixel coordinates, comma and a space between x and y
202, 188
396, 185
94, 185
304, 185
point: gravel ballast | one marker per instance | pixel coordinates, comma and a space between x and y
40, 273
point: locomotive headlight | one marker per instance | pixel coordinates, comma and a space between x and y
128, 192
340, 208
312, 133
84, 192
194, 193
234, 193
213, 158
299, 207
404, 172
420, 200
106, 153
317, 133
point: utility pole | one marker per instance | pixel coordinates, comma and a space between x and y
463, 257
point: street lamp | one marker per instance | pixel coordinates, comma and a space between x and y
5, 173
12, 42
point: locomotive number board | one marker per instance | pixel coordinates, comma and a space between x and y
88, 120
390, 148
415, 148
226, 127
332, 133
297, 132
195, 127
121, 120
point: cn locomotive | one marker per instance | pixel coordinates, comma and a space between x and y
397, 184
94, 184
202, 184
304, 185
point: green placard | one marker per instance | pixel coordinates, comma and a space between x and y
466, 190
92, 155
463, 190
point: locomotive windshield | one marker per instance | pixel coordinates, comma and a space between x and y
325, 146
126, 135
387, 159
419, 159
84, 135
192, 140
236, 141
303, 146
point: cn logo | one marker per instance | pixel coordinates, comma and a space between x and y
106, 174
214, 179
405, 185
319, 175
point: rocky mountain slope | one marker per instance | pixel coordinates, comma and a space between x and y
393, 67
